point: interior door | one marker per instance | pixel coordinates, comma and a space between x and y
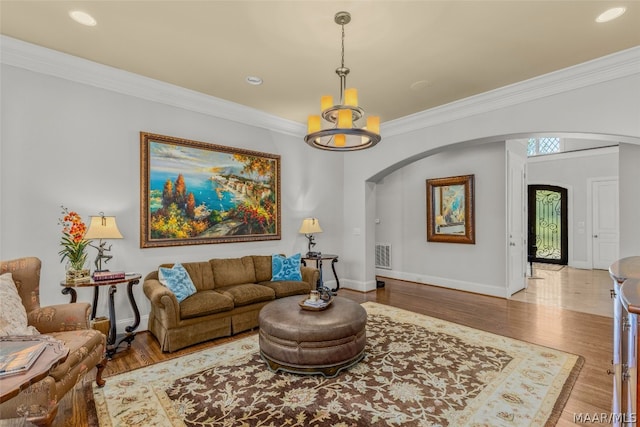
516, 220
605, 222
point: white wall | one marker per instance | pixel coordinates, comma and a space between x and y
78, 145
577, 144
401, 209
599, 98
573, 172
629, 188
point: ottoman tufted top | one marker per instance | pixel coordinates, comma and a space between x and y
283, 318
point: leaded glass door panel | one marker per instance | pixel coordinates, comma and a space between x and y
548, 231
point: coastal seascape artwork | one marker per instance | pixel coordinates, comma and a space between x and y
450, 210
199, 193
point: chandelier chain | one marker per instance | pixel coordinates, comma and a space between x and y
342, 46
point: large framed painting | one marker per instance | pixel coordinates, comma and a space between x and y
450, 210
195, 193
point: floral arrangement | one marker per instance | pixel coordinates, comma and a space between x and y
73, 242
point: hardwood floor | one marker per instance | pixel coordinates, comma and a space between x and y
571, 288
580, 333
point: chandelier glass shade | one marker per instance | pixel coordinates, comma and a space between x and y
342, 126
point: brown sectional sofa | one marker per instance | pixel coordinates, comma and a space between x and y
230, 294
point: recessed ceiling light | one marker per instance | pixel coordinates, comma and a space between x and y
420, 84
83, 18
253, 80
611, 14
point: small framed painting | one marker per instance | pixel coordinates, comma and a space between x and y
450, 210
199, 193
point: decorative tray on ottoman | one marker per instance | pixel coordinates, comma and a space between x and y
322, 304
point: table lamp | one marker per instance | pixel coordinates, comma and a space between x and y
308, 228
102, 227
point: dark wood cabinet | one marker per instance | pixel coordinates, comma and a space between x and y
626, 310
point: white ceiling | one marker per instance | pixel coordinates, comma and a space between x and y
447, 50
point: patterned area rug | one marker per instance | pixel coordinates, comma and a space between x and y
418, 371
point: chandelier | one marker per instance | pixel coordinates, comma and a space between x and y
338, 128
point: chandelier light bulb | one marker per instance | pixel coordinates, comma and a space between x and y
314, 124
326, 102
345, 119
373, 124
351, 97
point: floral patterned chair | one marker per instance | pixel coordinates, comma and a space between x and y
68, 323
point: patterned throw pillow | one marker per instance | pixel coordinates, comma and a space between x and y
177, 280
13, 316
283, 268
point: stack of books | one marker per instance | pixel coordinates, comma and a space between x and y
18, 356
316, 304
108, 275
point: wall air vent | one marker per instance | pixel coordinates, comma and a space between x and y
383, 255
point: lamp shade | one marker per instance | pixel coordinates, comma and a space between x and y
310, 226
103, 227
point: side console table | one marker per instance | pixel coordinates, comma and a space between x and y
626, 305
54, 353
630, 292
318, 258
113, 340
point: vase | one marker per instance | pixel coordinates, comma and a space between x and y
77, 275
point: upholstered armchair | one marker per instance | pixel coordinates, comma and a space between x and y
68, 323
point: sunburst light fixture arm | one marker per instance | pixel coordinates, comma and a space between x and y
341, 130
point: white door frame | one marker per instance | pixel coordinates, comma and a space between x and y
517, 243
590, 182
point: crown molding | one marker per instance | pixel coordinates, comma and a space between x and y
617, 65
42, 60
35, 58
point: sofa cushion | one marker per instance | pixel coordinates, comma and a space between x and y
262, 266
247, 293
177, 280
200, 274
13, 316
233, 271
287, 288
204, 303
283, 268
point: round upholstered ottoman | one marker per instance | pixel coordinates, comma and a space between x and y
312, 342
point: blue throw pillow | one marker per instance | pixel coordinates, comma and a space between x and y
177, 280
283, 268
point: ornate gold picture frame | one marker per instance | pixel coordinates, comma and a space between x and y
450, 210
195, 193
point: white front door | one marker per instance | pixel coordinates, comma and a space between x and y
516, 223
605, 222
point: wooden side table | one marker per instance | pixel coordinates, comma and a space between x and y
54, 353
324, 257
113, 340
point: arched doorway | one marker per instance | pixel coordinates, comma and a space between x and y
547, 224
